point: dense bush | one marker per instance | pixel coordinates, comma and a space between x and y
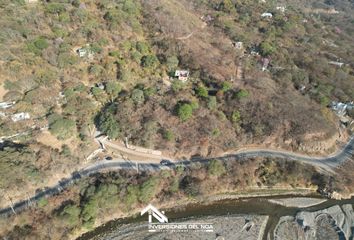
216, 168
108, 124
36, 46
184, 111
61, 127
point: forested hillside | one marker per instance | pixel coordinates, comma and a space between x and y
254, 73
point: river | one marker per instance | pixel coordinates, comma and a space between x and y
248, 206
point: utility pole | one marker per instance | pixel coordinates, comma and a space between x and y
29, 202
126, 142
11, 203
12, 206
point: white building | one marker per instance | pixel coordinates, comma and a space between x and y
5, 105
339, 64
20, 116
265, 63
238, 45
340, 108
100, 86
267, 15
182, 75
85, 52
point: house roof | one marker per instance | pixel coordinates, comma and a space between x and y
267, 14
181, 73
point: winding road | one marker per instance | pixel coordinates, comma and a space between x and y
327, 164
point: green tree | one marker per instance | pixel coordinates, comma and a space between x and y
172, 63
42, 202
216, 168
226, 86
98, 93
109, 124
113, 89
202, 91
38, 45
131, 7
194, 104
177, 86
235, 117
149, 61
174, 186
168, 135
242, 94
41, 43
228, 6
148, 189
266, 49
96, 70
114, 17
71, 215
132, 196
184, 111
54, 7
212, 103
64, 17
150, 91
324, 100
66, 59
138, 96
63, 128
142, 47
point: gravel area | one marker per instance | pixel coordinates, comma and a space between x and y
331, 223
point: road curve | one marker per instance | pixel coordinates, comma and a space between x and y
326, 163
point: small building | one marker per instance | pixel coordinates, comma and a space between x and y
339, 64
5, 105
340, 108
100, 86
281, 8
302, 88
85, 52
238, 45
182, 75
207, 18
20, 116
265, 63
267, 15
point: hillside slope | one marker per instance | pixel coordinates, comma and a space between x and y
74, 66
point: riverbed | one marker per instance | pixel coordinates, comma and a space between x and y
249, 208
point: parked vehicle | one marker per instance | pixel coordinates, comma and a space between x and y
165, 162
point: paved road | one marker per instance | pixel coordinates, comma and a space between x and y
325, 163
